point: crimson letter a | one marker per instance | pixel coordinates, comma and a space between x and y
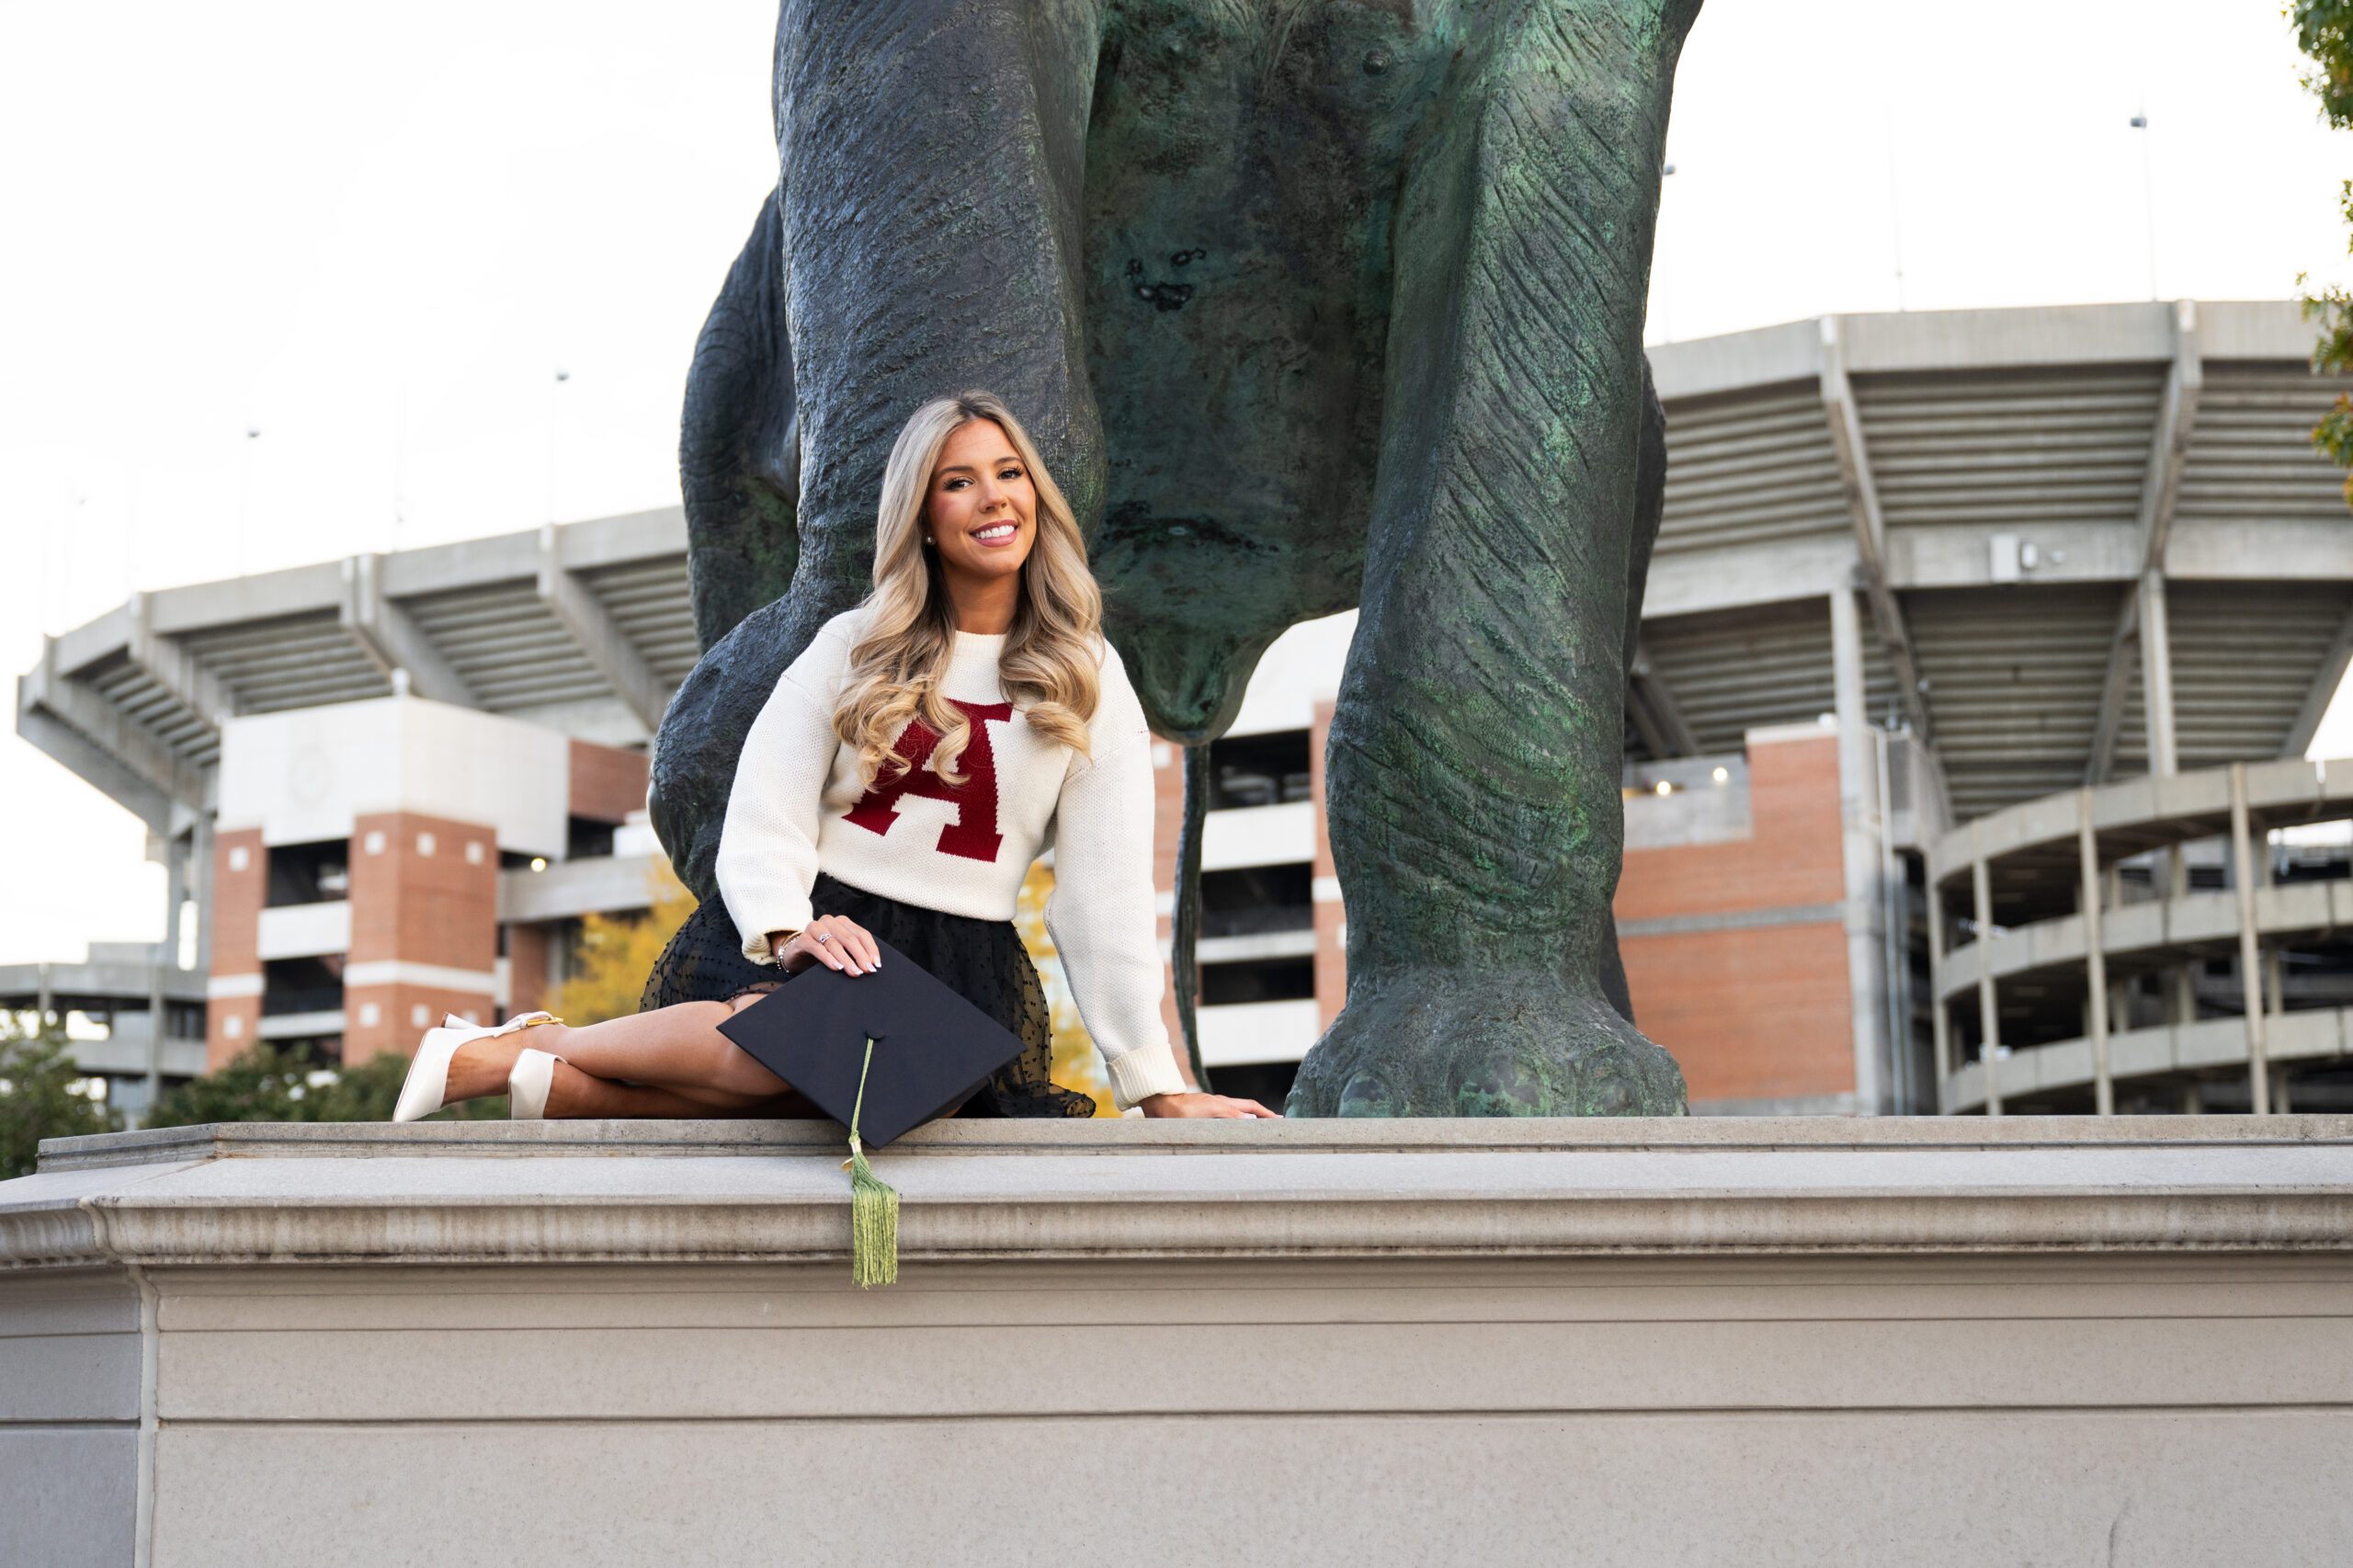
973, 834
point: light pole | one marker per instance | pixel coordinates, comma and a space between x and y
1895, 212
245, 494
2148, 200
400, 448
1664, 274
555, 424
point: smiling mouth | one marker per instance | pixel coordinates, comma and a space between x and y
996, 533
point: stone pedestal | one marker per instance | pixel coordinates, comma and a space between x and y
1607, 1343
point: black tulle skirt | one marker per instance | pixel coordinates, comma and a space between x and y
981, 960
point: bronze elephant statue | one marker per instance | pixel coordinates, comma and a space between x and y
1310, 304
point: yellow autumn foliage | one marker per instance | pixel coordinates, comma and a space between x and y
615, 952
1076, 1066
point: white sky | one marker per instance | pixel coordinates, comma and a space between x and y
376, 241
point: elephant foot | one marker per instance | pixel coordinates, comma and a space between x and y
1455, 1043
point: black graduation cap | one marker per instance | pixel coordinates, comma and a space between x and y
880, 1053
931, 1049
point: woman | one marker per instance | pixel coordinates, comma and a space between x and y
911, 764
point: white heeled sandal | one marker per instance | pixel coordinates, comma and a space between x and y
426, 1087
528, 1086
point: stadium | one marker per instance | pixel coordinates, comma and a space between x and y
1923, 580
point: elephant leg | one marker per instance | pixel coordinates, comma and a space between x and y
739, 449
926, 235
1474, 756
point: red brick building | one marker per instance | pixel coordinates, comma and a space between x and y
359, 865
1752, 911
1736, 942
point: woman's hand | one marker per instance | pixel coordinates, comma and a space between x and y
830, 939
1215, 1106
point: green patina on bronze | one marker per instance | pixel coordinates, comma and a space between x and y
1310, 304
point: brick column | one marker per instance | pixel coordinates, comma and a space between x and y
1331, 916
239, 888
423, 929
1757, 1010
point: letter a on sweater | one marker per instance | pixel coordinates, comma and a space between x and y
974, 834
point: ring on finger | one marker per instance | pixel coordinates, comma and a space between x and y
824, 936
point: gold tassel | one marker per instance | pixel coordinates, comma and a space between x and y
873, 1206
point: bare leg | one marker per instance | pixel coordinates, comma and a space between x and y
577, 1096
677, 1050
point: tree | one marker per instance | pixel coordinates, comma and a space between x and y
43, 1094
2324, 34
1076, 1066
269, 1083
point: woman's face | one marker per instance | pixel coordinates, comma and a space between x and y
982, 513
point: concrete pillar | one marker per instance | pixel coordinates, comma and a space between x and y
2275, 960
2250, 957
175, 893
177, 856
2181, 980
1902, 1094
2157, 676
1988, 1003
2095, 958
1859, 812
1941, 1019
156, 1022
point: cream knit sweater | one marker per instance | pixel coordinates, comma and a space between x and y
798, 808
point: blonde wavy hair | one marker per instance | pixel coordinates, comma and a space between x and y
1049, 667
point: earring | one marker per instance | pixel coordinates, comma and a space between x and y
928, 540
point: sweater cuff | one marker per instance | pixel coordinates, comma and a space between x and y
757, 949
1142, 1073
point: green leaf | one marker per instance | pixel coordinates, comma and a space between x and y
2325, 35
